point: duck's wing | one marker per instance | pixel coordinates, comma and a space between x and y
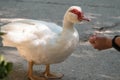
28, 31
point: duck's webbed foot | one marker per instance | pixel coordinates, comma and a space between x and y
51, 75
54, 75
33, 77
30, 73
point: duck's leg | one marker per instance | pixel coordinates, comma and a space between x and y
30, 72
52, 75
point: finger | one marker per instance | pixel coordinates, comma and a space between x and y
91, 40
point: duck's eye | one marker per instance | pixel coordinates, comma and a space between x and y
78, 13
74, 11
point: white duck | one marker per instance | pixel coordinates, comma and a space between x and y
42, 42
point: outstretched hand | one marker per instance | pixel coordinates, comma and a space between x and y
100, 42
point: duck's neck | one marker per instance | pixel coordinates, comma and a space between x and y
67, 25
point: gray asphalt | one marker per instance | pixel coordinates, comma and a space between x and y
85, 63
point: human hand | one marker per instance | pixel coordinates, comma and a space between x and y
100, 42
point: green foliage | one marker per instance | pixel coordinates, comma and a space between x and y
2, 33
5, 67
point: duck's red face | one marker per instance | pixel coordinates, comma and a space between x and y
80, 15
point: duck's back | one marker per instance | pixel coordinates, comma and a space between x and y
28, 30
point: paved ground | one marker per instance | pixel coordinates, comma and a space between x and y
85, 63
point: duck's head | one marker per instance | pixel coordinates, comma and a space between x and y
75, 15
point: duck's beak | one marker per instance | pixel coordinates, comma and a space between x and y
85, 19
